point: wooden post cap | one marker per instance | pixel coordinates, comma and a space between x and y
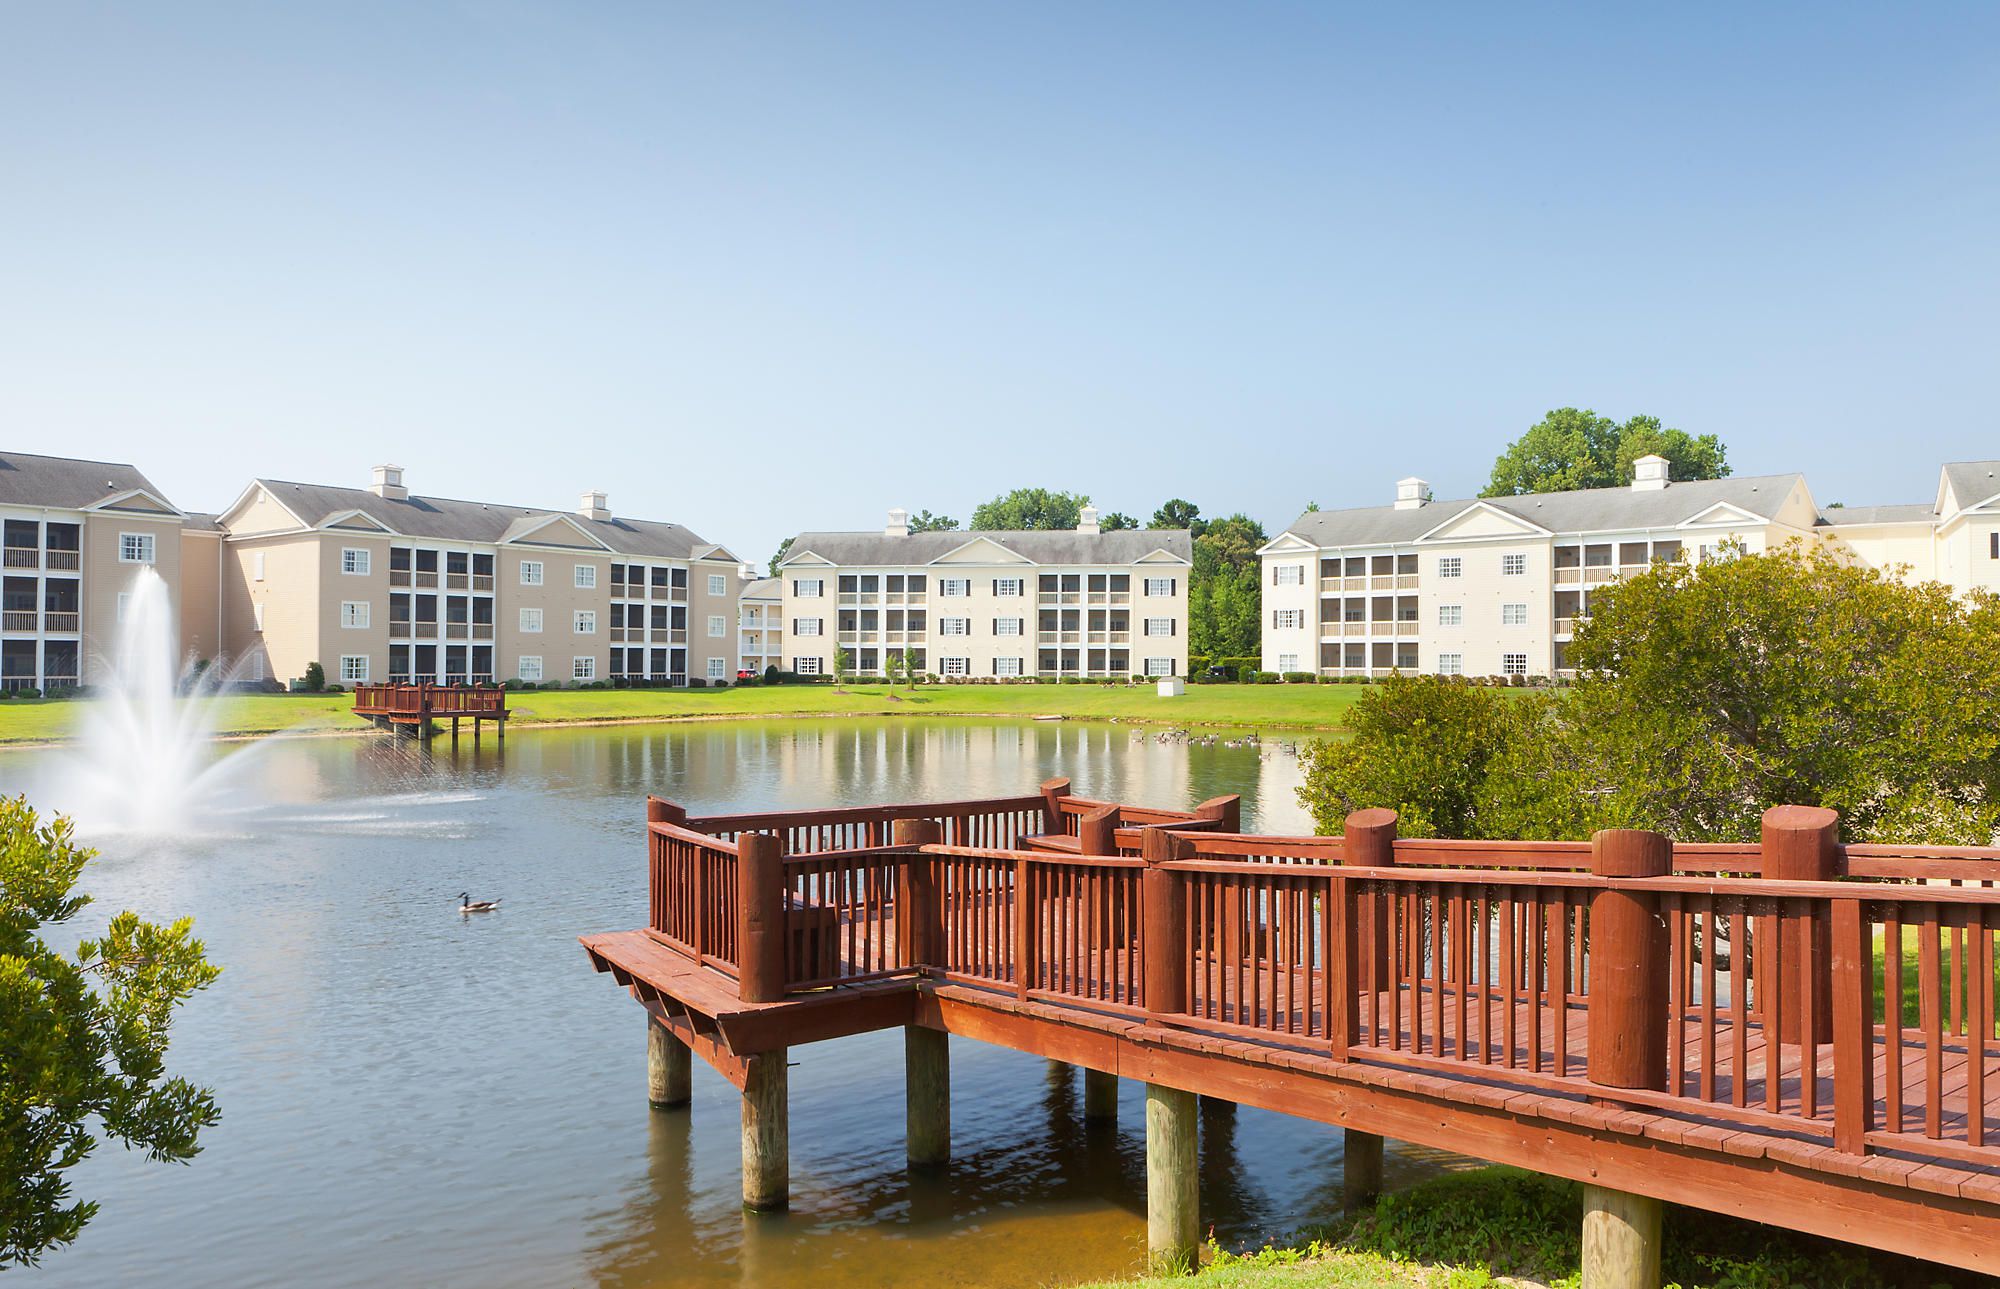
1631, 852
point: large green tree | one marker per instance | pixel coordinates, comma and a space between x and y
784, 548
1576, 448
925, 522
1708, 693
1026, 508
1178, 513
1225, 588
83, 1039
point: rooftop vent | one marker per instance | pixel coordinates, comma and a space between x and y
1086, 520
1649, 474
1412, 493
591, 506
388, 483
898, 525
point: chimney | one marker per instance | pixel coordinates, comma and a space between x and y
388, 483
1412, 493
592, 506
1086, 520
898, 525
1649, 474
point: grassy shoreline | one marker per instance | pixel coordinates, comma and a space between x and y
1305, 708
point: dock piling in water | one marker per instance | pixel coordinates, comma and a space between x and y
1173, 1211
669, 1068
767, 1179
927, 1073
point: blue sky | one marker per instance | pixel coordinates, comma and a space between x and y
759, 268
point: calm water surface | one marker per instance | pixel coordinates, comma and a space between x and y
412, 1097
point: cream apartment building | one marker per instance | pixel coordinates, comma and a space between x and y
1495, 586
379, 584
76, 535
990, 605
762, 632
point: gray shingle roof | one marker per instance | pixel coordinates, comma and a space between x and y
1973, 481
444, 519
1915, 513
1057, 546
202, 522
1583, 511
764, 588
27, 479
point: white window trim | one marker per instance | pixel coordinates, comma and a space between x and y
1009, 626
1159, 666
817, 584
354, 675
584, 623
1288, 575
257, 566
584, 577
528, 579
718, 625
718, 584
1514, 615
806, 666
1156, 586
1007, 666
1451, 615
355, 561
531, 616
1009, 586
146, 544
1508, 667
528, 663
1451, 664
954, 626
1513, 566
583, 667
1288, 662
257, 615
1452, 566
955, 666
354, 615
1160, 628
955, 586
806, 626
717, 669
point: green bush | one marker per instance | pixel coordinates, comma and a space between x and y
315, 678
1300, 678
1267, 677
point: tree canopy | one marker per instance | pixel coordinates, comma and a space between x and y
925, 522
83, 1041
1708, 693
1177, 514
1225, 591
1571, 448
1026, 508
784, 548
1117, 521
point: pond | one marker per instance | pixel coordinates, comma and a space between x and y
410, 1096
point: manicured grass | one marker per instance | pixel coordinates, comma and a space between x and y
1298, 707
1501, 1225
1912, 998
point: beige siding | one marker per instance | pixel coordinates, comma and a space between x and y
201, 589
106, 576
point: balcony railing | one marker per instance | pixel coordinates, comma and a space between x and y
1565, 626
482, 631
399, 577
23, 557
426, 579
424, 630
458, 630
1568, 576
62, 620
18, 620
457, 581
63, 561
482, 581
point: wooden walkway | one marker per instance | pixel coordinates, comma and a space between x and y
1431, 992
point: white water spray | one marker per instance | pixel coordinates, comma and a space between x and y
145, 761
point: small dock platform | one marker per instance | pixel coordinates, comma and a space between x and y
425, 710
1796, 1032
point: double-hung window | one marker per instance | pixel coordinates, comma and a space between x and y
1513, 664
1451, 664
354, 668
1282, 619
1513, 615
531, 622
806, 666
808, 586
718, 584
715, 669
1451, 566
1006, 666
583, 667
1451, 615
586, 622
956, 666
1513, 565
1288, 575
1007, 586
1288, 662
954, 626
135, 548
1007, 626
528, 667
354, 560
805, 626
586, 577
1159, 666
1165, 626
954, 586
718, 625
354, 614
531, 572
1160, 586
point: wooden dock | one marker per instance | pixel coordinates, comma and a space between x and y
425, 710
1697, 1024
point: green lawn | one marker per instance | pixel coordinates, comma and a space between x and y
1498, 1226
1294, 707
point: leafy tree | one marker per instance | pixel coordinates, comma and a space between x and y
1225, 589
1178, 514
1571, 448
1117, 521
1421, 746
1708, 693
843, 662
1026, 508
925, 522
784, 547
83, 1042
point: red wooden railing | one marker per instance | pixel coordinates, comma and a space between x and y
1730, 983
428, 699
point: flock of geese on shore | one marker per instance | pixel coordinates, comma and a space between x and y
1189, 738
